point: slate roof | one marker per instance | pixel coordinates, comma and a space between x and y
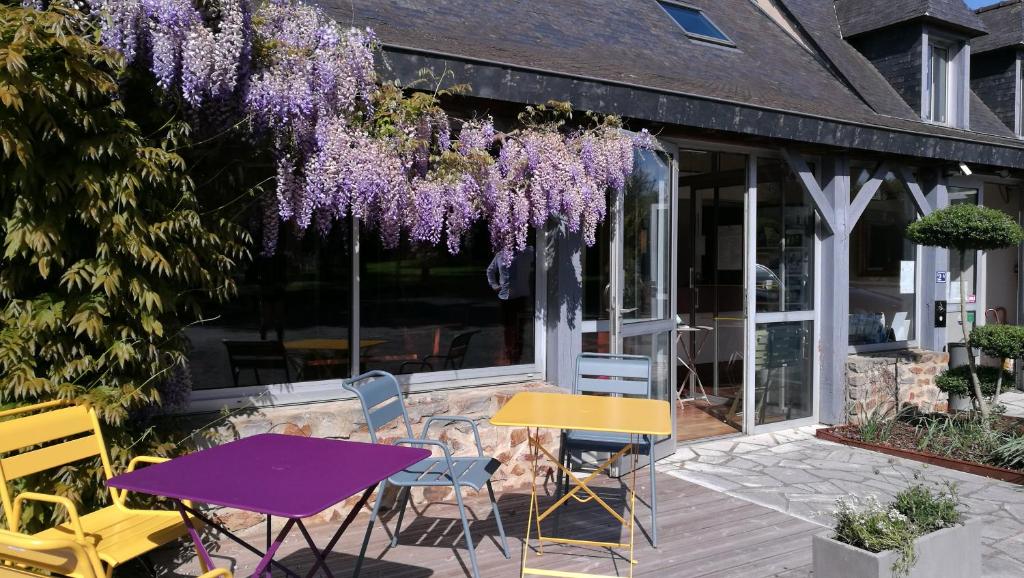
1005, 22
566, 45
860, 16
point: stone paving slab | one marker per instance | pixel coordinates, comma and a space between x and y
794, 472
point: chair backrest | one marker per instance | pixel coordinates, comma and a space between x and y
257, 354
613, 374
457, 350
42, 437
381, 398
22, 555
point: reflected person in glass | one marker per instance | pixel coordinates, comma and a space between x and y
512, 283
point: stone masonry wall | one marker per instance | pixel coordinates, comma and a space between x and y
883, 382
344, 420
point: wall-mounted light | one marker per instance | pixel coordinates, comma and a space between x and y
966, 170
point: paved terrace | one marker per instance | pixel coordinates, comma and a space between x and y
796, 473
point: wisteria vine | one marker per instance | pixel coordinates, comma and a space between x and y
346, 144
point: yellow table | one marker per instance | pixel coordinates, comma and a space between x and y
535, 410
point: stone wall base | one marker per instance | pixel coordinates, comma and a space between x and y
344, 420
877, 383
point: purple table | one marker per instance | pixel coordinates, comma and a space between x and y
288, 476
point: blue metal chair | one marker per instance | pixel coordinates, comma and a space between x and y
618, 375
381, 398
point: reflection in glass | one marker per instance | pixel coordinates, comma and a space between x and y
783, 374
646, 234
289, 321
963, 265
882, 264
785, 241
423, 309
658, 348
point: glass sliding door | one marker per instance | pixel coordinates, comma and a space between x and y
628, 278
784, 238
711, 308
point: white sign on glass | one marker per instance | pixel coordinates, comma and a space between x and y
906, 277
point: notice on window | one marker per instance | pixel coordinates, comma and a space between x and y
953, 295
906, 277
730, 247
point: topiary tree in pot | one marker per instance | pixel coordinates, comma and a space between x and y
1002, 342
964, 228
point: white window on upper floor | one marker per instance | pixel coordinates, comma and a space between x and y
938, 83
944, 74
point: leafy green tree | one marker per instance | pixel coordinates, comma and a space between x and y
106, 251
1002, 342
966, 228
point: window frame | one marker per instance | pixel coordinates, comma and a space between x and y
918, 300
1018, 97
725, 41
957, 74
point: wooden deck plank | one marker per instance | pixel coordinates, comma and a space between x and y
702, 533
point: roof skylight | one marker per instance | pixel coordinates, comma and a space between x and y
695, 23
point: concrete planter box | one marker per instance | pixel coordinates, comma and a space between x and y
960, 402
950, 553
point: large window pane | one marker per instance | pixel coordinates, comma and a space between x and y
783, 371
883, 266
423, 309
785, 241
289, 322
939, 82
646, 239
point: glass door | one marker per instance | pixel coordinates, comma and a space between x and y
712, 320
781, 384
628, 280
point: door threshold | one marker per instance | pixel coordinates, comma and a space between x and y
709, 439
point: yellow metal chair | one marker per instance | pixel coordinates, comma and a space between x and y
22, 555
49, 435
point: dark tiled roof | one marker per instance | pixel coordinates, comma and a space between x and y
860, 16
1005, 22
634, 43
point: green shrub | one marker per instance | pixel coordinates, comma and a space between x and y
914, 512
107, 253
1000, 341
957, 381
928, 510
966, 228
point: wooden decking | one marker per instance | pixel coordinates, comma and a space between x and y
702, 533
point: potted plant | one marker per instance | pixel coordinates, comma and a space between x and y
956, 382
920, 534
1002, 342
967, 228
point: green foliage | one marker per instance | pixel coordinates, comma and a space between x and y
876, 425
1009, 454
957, 381
106, 253
915, 512
928, 510
968, 438
1001, 341
966, 227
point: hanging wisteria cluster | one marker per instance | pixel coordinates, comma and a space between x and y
346, 145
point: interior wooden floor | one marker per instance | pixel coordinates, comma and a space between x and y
701, 533
694, 423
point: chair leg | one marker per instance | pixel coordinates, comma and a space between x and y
654, 499
497, 518
465, 528
403, 501
369, 527
561, 460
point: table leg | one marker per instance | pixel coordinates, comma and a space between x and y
269, 573
322, 560
268, 558
204, 555
271, 562
533, 500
